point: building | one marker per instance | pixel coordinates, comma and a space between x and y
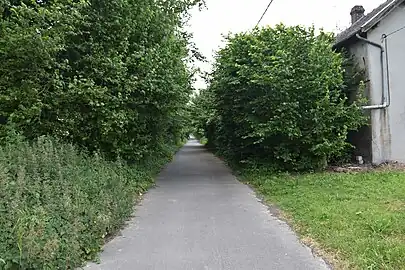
377, 41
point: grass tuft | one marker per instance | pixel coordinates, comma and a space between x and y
58, 205
357, 218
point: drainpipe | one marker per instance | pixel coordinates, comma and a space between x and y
386, 97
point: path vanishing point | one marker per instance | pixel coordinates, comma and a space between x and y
199, 217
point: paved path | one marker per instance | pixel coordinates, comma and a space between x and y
201, 218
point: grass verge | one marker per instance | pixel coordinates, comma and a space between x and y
356, 219
203, 141
58, 205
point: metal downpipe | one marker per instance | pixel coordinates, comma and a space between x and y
386, 94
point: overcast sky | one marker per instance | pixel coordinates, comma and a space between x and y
223, 16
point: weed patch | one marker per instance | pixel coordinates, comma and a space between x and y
58, 205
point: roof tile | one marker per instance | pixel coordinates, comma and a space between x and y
356, 27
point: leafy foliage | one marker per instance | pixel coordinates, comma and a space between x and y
276, 95
110, 76
202, 113
58, 205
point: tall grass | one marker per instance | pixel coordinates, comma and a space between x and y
57, 205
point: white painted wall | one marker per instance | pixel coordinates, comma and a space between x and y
359, 50
388, 125
362, 138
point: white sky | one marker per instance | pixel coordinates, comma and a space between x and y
224, 16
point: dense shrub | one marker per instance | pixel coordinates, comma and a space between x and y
57, 205
110, 76
202, 113
276, 96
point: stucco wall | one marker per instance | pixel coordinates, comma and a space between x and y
388, 125
362, 138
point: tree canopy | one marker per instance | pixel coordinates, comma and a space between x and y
276, 96
110, 76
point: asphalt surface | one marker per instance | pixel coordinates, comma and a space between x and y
199, 217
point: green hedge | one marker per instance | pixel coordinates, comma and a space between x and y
109, 76
58, 205
277, 96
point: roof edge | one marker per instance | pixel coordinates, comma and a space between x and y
380, 15
367, 22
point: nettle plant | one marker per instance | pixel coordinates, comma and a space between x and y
278, 98
110, 80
